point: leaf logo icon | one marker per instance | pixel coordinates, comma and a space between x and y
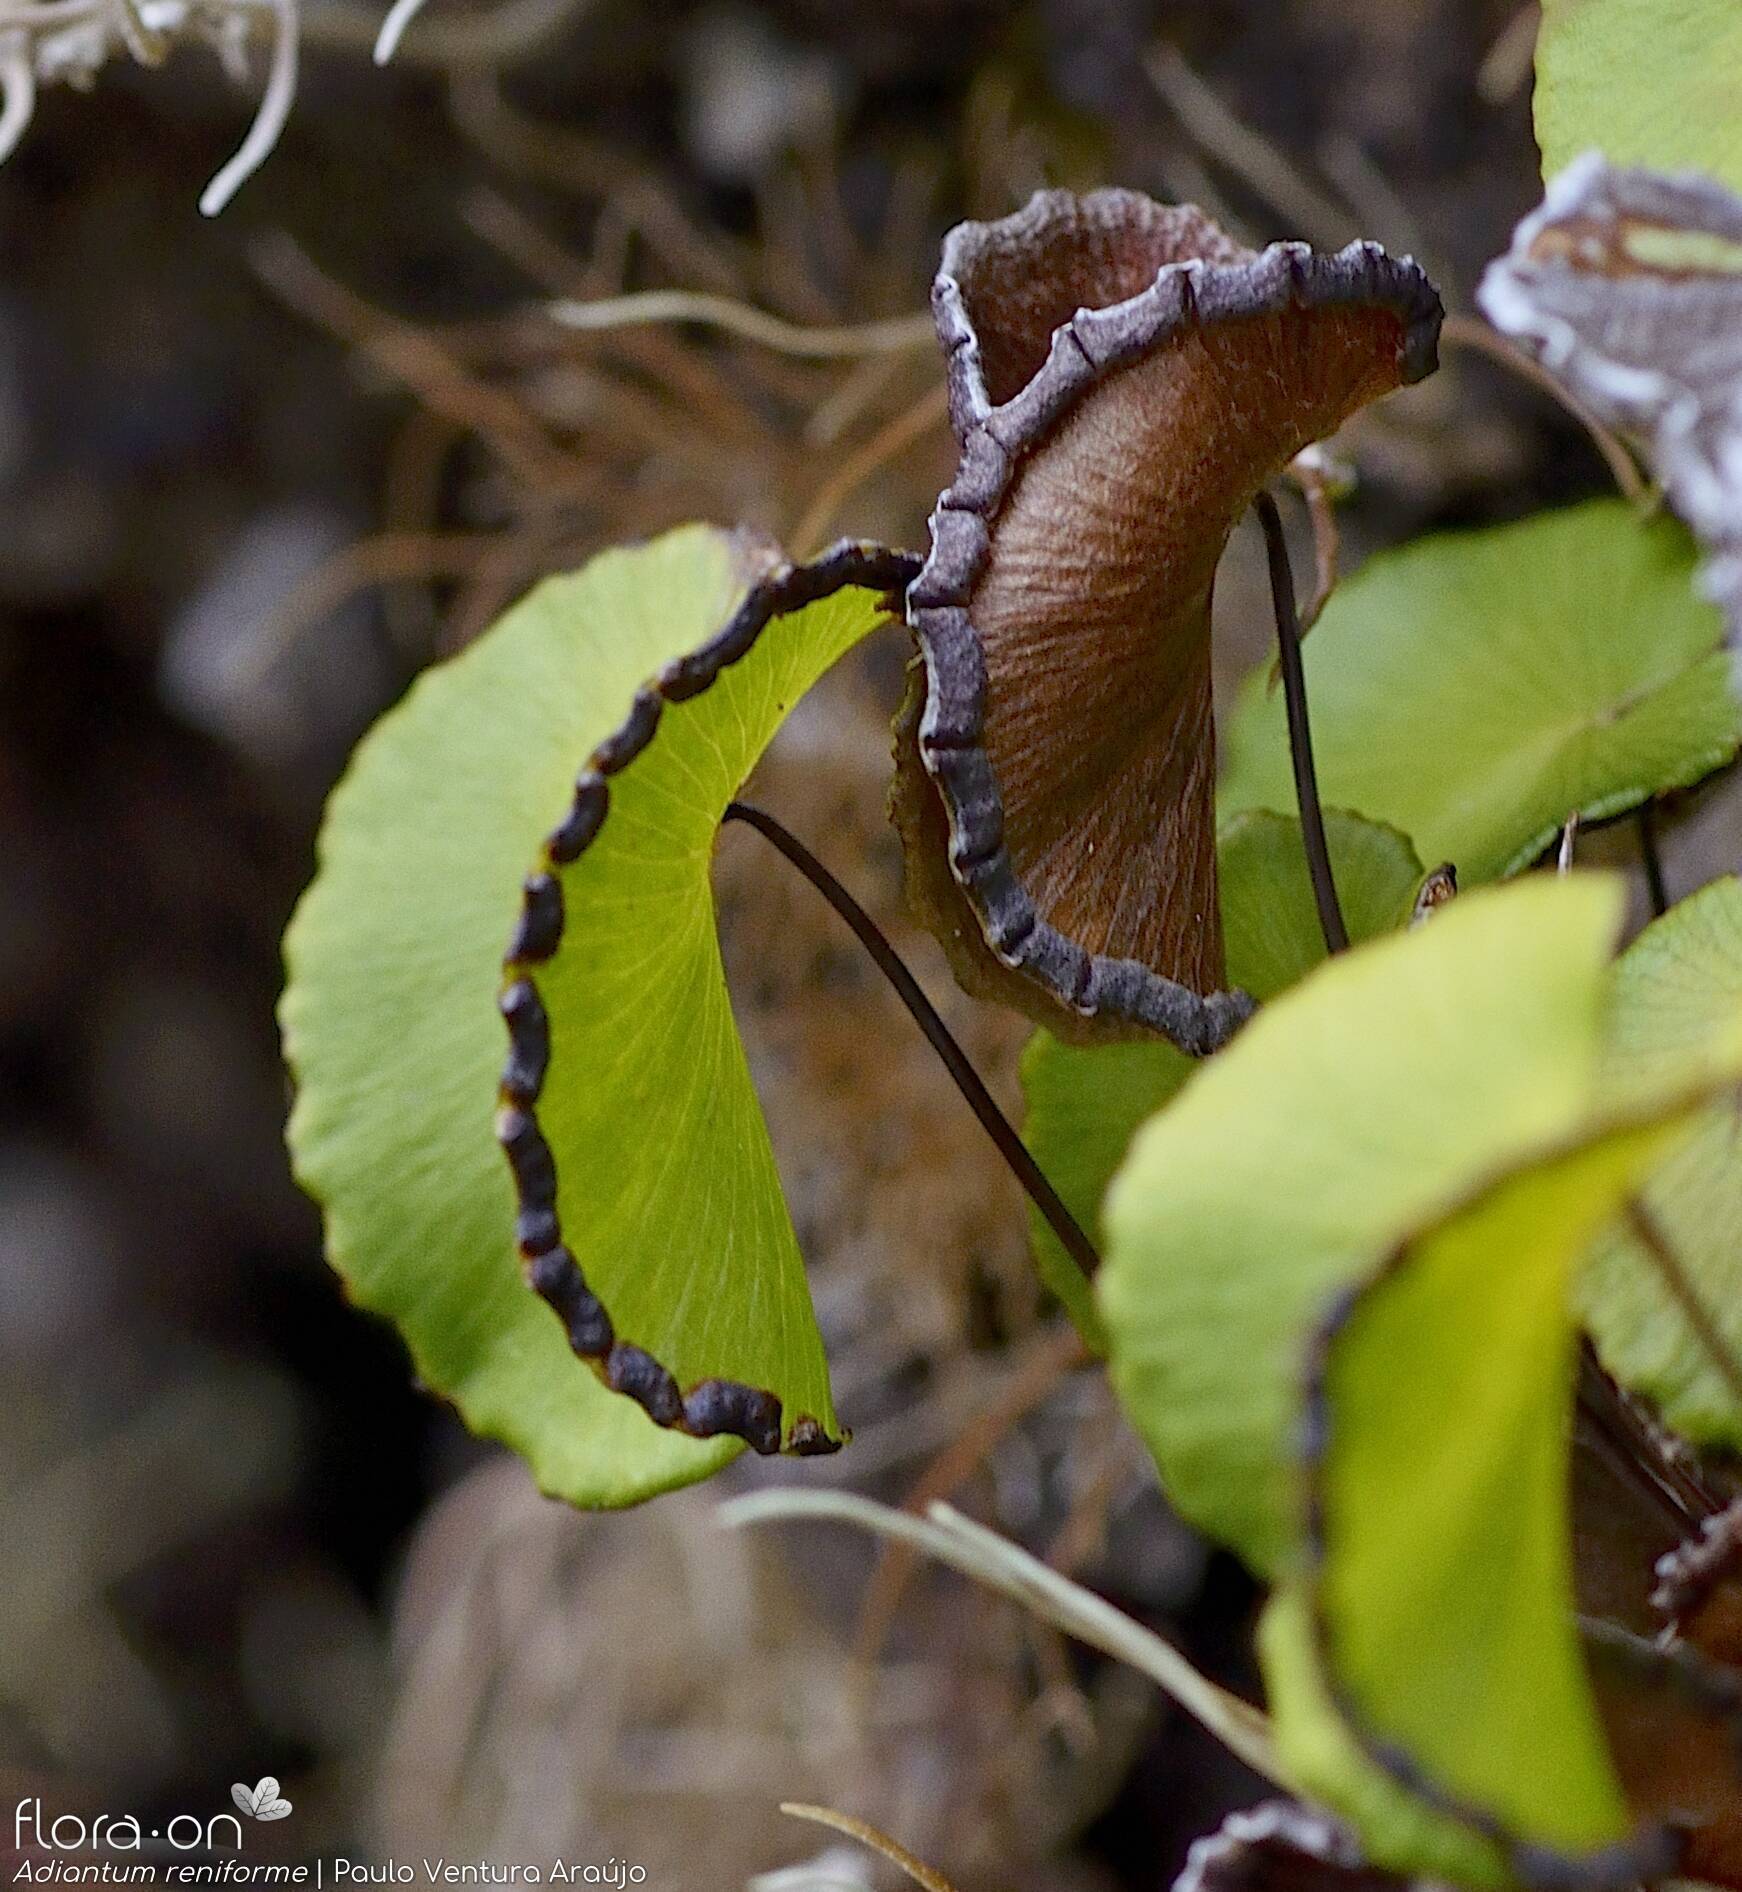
262, 1800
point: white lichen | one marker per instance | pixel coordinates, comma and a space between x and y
68, 42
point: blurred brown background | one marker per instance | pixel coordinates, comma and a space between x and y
254, 473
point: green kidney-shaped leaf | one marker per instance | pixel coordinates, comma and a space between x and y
1677, 992
1446, 1589
1085, 1102
1347, 1113
1477, 688
1650, 82
390, 1014
1339, 1297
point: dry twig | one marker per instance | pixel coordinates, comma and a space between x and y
1005, 1567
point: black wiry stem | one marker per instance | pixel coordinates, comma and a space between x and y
955, 1060
1652, 860
1300, 735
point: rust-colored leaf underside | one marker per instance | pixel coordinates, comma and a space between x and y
1094, 620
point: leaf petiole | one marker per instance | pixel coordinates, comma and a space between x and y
938, 1035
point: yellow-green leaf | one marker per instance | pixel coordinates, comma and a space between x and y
1085, 1102
1349, 1113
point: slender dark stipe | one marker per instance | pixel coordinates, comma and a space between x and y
924, 1014
1611, 1426
1300, 736
1652, 860
1685, 1295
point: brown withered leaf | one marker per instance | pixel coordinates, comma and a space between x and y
1123, 379
1627, 286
